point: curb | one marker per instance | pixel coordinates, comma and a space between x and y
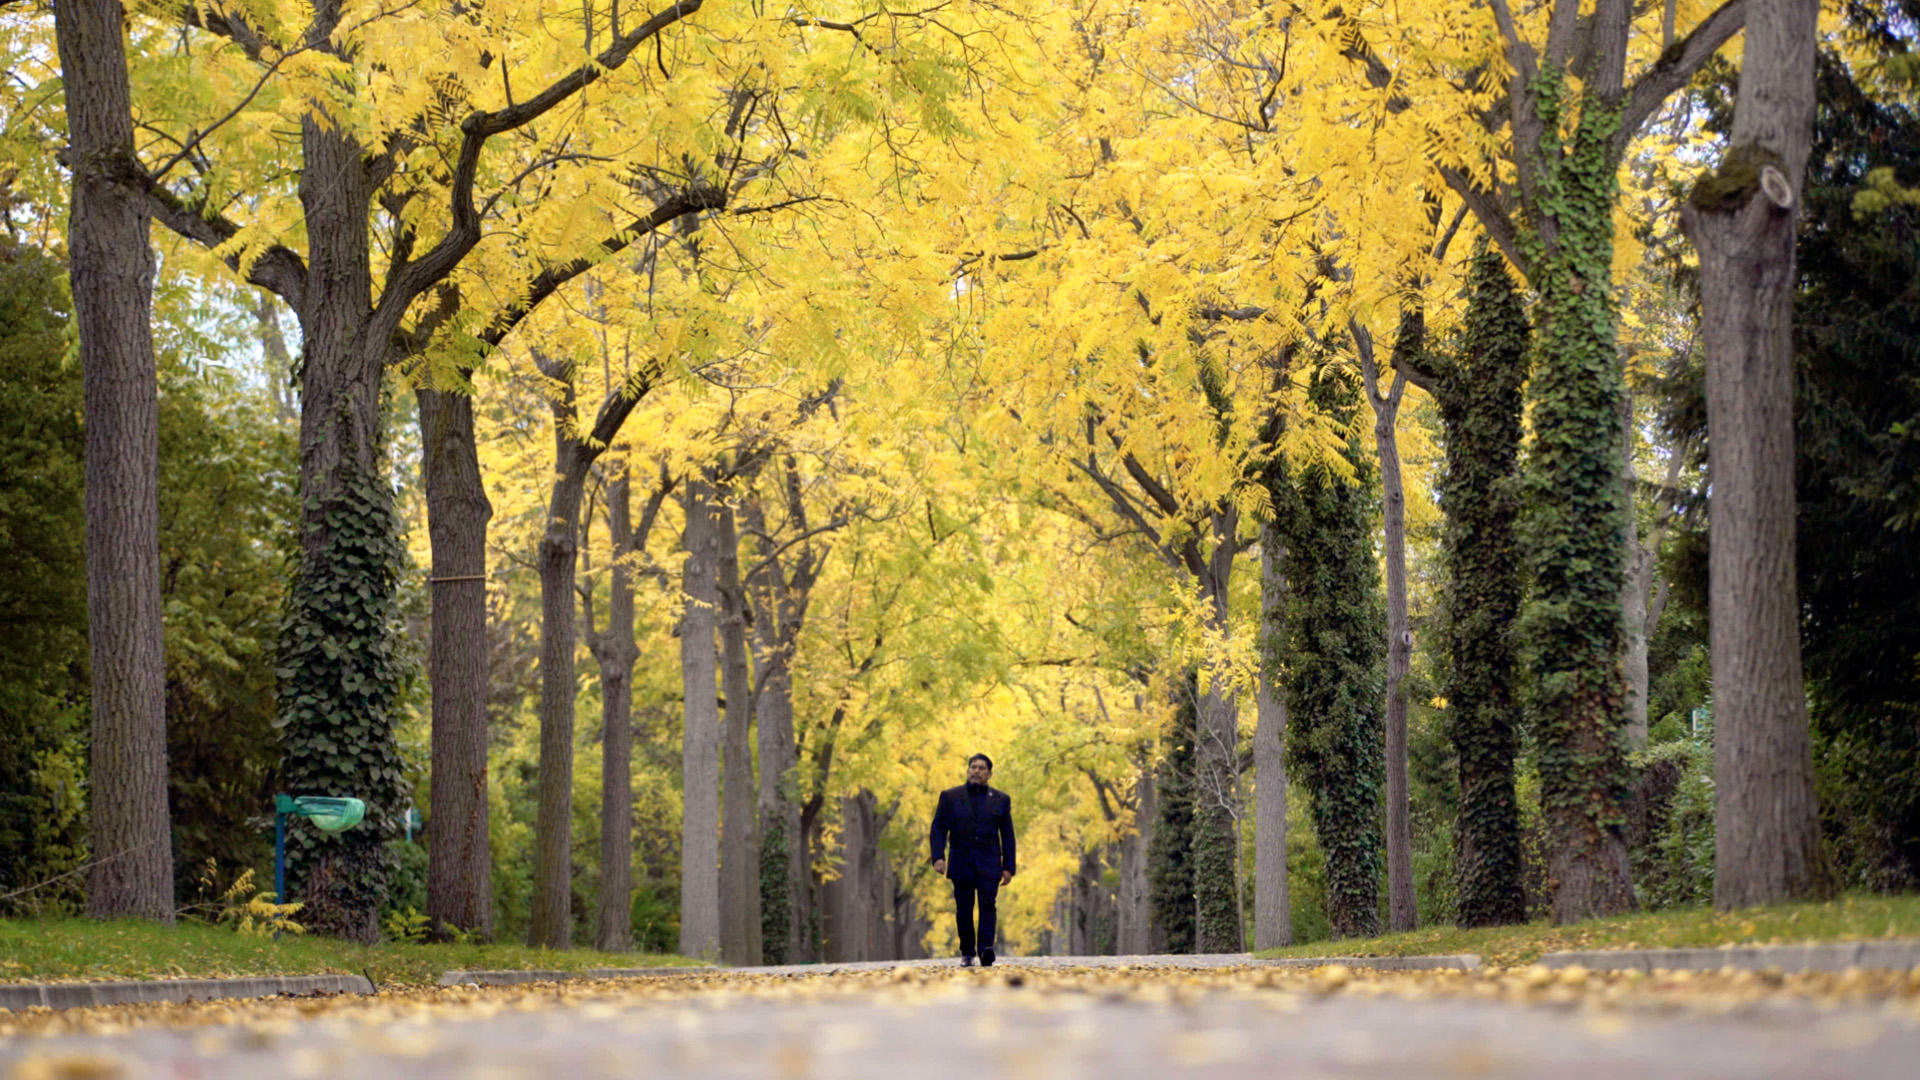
1456, 962
1459, 962
516, 978
1879, 955
68, 995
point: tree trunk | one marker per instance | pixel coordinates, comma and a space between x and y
700, 738
739, 844
1272, 910
1634, 604
460, 865
616, 651
340, 742
843, 900
574, 453
552, 920
1170, 852
1402, 912
1218, 927
1481, 406
1133, 933
778, 603
112, 272
1741, 219
782, 871
1577, 520
1335, 734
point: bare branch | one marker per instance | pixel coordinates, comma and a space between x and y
1492, 215
1675, 68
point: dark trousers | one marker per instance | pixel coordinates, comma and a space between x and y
963, 894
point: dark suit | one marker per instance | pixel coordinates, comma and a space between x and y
973, 831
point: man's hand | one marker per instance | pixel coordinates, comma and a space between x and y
939, 866
1006, 876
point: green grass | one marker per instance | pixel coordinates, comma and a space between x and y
1851, 918
46, 950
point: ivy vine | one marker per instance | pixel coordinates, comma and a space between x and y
776, 890
1170, 853
1335, 656
1576, 513
1479, 393
341, 674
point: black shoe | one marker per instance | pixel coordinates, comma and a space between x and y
986, 957
967, 961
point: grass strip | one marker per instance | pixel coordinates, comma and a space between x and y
53, 950
1849, 918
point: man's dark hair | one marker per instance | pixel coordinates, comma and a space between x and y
981, 757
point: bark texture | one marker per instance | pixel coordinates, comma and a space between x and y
700, 733
615, 650
1402, 913
460, 866
1741, 220
779, 587
574, 453
112, 273
1133, 905
1272, 908
740, 933
1218, 925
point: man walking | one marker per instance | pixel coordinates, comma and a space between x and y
973, 845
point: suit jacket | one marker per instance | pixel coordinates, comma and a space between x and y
974, 835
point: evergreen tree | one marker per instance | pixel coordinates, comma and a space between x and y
1857, 329
1335, 674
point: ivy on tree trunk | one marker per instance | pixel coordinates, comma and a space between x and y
1335, 652
1170, 858
341, 674
1480, 404
1576, 520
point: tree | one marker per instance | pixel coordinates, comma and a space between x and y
459, 871
1564, 141
43, 597
616, 651
1741, 219
574, 452
1334, 655
1857, 406
1170, 857
1480, 403
740, 930
779, 599
112, 270
1407, 361
1272, 911
700, 768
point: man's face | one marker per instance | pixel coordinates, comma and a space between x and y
978, 772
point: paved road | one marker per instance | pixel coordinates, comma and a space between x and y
1033, 1023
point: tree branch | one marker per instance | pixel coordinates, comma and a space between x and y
550, 280
464, 230
1675, 68
1493, 216
279, 269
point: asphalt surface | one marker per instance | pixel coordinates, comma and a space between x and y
1051, 1020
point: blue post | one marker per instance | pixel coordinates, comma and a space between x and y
279, 858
